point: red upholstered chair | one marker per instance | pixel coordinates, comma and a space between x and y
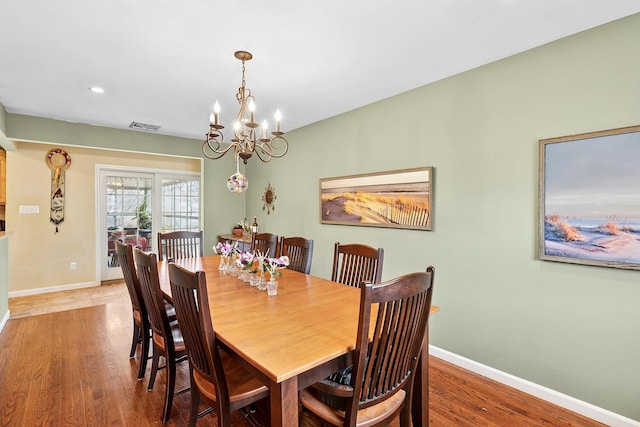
143, 243
111, 252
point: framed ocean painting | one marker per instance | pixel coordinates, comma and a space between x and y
396, 199
589, 198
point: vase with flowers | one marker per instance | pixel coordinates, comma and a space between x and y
260, 267
273, 266
245, 263
224, 249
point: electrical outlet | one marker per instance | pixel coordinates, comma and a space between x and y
74, 266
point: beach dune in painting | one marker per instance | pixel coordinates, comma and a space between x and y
609, 240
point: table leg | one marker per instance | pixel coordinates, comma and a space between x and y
420, 401
284, 403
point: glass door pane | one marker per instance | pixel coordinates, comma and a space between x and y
128, 213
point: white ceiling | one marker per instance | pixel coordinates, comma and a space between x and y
165, 62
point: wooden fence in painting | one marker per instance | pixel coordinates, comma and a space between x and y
413, 216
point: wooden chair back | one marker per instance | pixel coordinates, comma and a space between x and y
166, 337
384, 361
354, 264
263, 242
124, 253
147, 265
300, 253
180, 244
141, 333
190, 298
189, 293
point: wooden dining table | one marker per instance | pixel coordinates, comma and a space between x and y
289, 340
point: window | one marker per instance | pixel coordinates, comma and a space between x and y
180, 204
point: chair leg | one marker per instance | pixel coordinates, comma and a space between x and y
195, 404
135, 339
146, 340
171, 383
154, 368
405, 415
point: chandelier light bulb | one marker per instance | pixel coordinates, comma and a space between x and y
215, 116
265, 126
278, 117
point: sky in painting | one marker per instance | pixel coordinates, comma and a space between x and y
409, 176
594, 178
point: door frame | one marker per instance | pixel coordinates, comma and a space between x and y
100, 206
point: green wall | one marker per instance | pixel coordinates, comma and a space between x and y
572, 328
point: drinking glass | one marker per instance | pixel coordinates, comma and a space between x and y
272, 286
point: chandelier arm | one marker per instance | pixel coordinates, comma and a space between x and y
266, 150
274, 148
208, 148
259, 148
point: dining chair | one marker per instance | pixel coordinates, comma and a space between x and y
384, 362
141, 328
300, 253
215, 376
355, 263
265, 241
166, 336
179, 244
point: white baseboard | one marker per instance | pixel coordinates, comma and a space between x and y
3, 322
583, 408
53, 289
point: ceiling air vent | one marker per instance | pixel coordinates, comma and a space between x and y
144, 126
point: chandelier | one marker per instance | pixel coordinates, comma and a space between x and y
249, 136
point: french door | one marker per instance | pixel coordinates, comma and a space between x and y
133, 206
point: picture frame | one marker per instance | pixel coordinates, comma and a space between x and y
392, 199
589, 198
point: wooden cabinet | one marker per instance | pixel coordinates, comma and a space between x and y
244, 243
3, 177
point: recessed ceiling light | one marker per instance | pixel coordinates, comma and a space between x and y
96, 89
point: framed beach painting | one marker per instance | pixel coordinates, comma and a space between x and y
589, 198
396, 199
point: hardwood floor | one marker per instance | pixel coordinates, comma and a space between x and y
64, 361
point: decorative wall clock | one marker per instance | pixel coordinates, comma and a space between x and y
58, 161
268, 198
